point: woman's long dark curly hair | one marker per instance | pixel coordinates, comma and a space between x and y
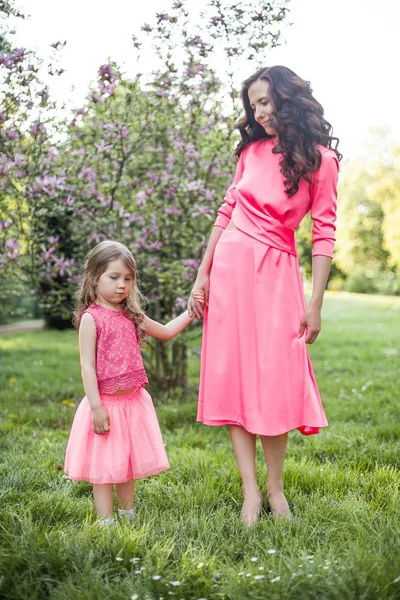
298, 121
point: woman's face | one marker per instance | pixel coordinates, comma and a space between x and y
262, 106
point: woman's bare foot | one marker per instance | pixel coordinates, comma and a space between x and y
278, 505
251, 508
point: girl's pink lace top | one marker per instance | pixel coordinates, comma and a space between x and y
119, 363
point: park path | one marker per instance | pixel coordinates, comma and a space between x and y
22, 326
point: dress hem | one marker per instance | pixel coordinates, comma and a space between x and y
302, 428
141, 476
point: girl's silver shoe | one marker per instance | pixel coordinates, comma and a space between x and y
106, 523
126, 514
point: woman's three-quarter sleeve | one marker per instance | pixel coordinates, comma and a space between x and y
323, 204
226, 209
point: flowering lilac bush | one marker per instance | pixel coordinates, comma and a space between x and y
145, 161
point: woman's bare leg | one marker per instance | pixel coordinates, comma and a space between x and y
274, 451
244, 448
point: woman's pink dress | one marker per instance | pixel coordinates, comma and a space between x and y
133, 448
255, 371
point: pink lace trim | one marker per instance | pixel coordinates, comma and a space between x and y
122, 382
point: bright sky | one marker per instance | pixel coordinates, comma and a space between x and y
347, 49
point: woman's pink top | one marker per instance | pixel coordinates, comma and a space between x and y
119, 363
258, 205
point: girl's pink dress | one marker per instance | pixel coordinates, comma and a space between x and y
255, 372
133, 448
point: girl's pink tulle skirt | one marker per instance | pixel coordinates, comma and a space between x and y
132, 449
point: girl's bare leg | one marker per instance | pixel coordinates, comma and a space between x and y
103, 500
126, 493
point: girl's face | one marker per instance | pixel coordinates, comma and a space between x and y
115, 284
262, 107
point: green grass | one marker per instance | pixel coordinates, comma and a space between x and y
343, 485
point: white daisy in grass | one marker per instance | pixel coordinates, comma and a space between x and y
156, 577
275, 579
271, 551
259, 577
175, 583
254, 559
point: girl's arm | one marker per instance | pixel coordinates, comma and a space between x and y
171, 329
87, 351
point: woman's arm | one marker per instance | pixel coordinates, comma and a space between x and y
312, 318
321, 269
195, 309
87, 351
222, 221
323, 213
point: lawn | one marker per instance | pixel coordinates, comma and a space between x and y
188, 542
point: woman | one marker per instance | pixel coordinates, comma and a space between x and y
256, 375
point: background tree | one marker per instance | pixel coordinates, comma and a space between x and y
369, 217
7, 9
145, 161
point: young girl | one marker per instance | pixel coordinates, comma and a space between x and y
115, 437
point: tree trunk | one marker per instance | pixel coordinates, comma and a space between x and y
167, 367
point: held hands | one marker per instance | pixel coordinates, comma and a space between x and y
198, 298
312, 322
101, 420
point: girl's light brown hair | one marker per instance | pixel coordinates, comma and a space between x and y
96, 264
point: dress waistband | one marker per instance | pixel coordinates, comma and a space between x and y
122, 397
264, 228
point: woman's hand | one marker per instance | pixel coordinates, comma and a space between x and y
312, 322
101, 420
200, 291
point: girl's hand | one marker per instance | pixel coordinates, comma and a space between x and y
199, 296
312, 322
101, 420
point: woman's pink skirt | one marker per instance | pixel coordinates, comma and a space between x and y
132, 449
255, 372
